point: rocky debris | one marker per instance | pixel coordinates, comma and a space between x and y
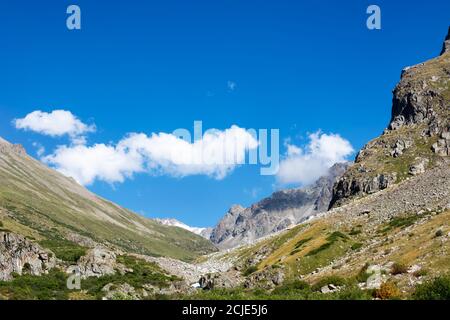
120, 292
281, 210
81, 240
442, 146
98, 262
400, 146
6, 147
446, 46
329, 288
19, 255
267, 279
419, 166
192, 272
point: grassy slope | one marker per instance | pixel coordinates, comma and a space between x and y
406, 240
41, 203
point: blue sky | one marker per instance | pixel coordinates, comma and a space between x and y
155, 66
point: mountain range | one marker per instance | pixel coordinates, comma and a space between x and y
377, 228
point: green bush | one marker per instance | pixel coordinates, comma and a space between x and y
302, 242
65, 250
439, 233
334, 280
353, 292
354, 232
399, 268
292, 288
249, 271
437, 289
363, 275
336, 236
356, 246
51, 286
143, 273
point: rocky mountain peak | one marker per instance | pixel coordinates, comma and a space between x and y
446, 46
277, 212
235, 209
417, 137
6, 147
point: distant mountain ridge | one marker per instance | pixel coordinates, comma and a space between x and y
279, 211
204, 232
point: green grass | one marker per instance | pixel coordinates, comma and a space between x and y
331, 239
400, 222
302, 242
51, 286
65, 250
293, 290
436, 289
42, 199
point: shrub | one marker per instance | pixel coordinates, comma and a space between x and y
51, 286
356, 246
334, 280
399, 268
353, 293
319, 249
363, 275
420, 273
388, 290
65, 250
439, 233
302, 242
249, 271
336, 236
437, 289
26, 268
292, 288
143, 273
354, 232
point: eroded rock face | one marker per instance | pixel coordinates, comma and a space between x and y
19, 255
347, 186
97, 262
446, 46
419, 127
275, 213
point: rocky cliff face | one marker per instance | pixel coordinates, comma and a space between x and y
417, 137
279, 211
19, 255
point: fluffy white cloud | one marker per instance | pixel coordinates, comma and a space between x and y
305, 165
56, 123
216, 155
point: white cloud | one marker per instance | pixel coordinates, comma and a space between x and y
40, 149
305, 165
56, 123
216, 155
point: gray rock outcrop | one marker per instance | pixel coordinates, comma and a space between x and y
20, 255
97, 262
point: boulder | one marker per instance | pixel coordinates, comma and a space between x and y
98, 262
